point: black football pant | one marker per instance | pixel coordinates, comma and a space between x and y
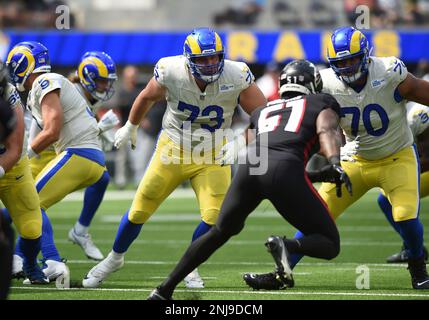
292, 194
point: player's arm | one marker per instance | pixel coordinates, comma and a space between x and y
52, 115
327, 126
423, 147
329, 135
152, 93
414, 89
252, 98
13, 143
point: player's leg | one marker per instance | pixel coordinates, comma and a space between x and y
400, 180
92, 199
338, 205
158, 182
386, 208
242, 198
38, 163
210, 184
20, 198
6, 253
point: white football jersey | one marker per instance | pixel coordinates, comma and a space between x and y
418, 117
189, 108
377, 113
93, 106
79, 128
12, 97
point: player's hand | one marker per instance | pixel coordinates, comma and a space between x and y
229, 152
350, 149
342, 177
127, 132
108, 121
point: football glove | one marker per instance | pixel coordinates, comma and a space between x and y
350, 149
229, 152
125, 133
341, 178
108, 121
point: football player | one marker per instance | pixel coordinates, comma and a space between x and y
202, 89
62, 113
418, 120
94, 80
17, 191
301, 121
372, 93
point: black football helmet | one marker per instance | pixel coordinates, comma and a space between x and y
300, 76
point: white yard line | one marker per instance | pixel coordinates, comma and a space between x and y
276, 293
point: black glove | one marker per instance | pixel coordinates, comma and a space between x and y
341, 178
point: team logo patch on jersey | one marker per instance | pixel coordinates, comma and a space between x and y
226, 87
377, 82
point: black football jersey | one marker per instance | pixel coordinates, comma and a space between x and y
288, 127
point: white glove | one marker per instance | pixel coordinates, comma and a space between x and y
108, 121
127, 132
107, 139
229, 152
350, 149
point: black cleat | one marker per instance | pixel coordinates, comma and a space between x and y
402, 256
419, 274
156, 295
268, 281
277, 248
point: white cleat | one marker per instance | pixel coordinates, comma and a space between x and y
99, 273
85, 242
52, 270
193, 280
17, 267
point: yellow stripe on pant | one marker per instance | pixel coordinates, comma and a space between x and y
19, 195
66, 173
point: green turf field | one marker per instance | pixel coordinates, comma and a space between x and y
366, 239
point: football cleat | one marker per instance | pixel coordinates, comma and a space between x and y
277, 248
34, 275
156, 295
52, 269
268, 281
193, 280
17, 267
86, 243
419, 274
402, 256
101, 271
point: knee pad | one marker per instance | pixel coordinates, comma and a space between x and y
138, 217
31, 229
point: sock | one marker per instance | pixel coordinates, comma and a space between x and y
49, 250
296, 257
127, 233
79, 229
411, 232
30, 249
198, 252
386, 207
93, 196
201, 229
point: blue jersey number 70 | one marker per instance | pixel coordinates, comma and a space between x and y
366, 119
